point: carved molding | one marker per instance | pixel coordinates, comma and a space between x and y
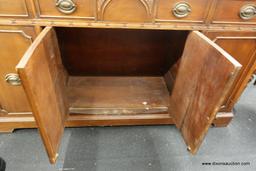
21, 32
102, 4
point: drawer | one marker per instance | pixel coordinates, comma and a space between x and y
181, 11
13, 8
80, 9
239, 12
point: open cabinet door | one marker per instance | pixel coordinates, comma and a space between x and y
43, 78
205, 75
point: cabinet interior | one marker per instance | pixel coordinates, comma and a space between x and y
120, 71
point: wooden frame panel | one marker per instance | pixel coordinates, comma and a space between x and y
246, 55
12, 98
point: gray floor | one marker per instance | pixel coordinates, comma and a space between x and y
139, 148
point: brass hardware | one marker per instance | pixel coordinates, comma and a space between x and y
181, 9
188, 148
13, 79
248, 11
66, 6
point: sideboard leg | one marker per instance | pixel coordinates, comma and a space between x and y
223, 119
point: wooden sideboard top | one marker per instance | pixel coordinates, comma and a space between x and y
138, 14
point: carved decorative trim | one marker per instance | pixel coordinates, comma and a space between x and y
21, 32
157, 26
18, 15
102, 4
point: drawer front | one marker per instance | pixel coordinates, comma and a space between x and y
84, 9
13, 8
235, 11
182, 11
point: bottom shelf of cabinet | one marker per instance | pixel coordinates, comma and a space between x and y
118, 95
112, 101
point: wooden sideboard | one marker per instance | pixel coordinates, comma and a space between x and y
73, 63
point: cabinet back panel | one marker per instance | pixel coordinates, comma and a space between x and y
119, 52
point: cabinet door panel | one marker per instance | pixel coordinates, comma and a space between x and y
242, 46
12, 98
43, 78
205, 75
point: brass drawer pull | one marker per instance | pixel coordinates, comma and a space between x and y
248, 12
66, 6
13, 79
181, 9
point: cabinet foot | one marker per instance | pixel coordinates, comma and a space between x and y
6, 130
223, 119
9, 123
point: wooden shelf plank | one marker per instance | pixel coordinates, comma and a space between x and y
118, 95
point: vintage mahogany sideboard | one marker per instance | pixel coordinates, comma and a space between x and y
72, 63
